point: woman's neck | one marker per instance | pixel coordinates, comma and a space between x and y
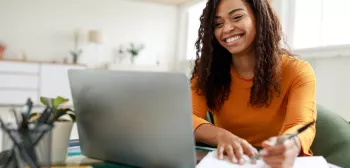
244, 64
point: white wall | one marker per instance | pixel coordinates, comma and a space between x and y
43, 29
181, 64
330, 64
333, 83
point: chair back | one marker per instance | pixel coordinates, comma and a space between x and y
332, 139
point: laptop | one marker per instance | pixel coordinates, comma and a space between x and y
141, 119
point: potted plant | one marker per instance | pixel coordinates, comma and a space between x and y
2, 50
134, 51
61, 131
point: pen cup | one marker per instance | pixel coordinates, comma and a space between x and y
42, 149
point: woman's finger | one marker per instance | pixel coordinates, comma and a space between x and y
279, 149
230, 153
270, 142
237, 148
275, 150
248, 149
220, 151
274, 161
286, 158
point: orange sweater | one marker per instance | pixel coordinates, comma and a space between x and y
294, 107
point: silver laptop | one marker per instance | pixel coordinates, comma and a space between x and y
141, 119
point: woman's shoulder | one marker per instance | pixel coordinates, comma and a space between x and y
295, 69
295, 65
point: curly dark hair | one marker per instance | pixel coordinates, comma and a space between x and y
212, 70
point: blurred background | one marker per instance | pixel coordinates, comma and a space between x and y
41, 39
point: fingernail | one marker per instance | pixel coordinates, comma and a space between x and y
263, 152
241, 161
234, 160
221, 157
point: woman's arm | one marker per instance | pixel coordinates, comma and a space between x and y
301, 107
204, 131
209, 134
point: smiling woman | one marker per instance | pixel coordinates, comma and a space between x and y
243, 31
255, 89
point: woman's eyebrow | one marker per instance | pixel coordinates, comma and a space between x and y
231, 12
235, 10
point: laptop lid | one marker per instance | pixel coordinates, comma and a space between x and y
136, 118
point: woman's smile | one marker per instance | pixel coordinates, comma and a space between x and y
233, 40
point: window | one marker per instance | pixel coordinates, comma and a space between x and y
193, 23
319, 23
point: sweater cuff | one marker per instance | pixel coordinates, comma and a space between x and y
306, 139
197, 121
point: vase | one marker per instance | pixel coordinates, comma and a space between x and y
75, 55
132, 59
75, 59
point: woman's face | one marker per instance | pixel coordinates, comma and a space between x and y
234, 26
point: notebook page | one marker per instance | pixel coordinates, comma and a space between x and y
210, 161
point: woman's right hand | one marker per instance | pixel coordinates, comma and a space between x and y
234, 147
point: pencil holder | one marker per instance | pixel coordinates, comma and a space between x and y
25, 146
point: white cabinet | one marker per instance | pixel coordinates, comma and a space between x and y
17, 97
19, 67
54, 80
18, 81
21, 80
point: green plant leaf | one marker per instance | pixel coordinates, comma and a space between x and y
58, 101
45, 100
69, 112
72, 116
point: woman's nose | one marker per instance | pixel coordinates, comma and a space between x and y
228, 28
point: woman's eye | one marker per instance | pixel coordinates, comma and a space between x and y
218, 24
237, 17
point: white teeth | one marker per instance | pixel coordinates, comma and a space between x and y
229, 40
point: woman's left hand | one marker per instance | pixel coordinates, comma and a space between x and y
280, 156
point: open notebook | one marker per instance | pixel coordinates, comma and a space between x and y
210, 160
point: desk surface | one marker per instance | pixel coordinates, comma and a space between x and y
76, 160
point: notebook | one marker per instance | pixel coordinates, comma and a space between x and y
210, 160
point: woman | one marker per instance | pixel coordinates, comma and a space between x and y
256, 91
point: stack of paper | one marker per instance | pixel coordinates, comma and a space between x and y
210, 161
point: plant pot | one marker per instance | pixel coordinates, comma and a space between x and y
60, 139
2, 51
2, 54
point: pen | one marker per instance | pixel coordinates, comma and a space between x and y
27, 108
289, 136
29, 105
44, 117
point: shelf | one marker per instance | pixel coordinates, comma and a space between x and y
133, 67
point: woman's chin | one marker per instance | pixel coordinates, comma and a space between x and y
236, 50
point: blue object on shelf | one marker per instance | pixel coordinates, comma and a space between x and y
74, 151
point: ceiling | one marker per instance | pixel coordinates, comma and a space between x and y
176, 2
